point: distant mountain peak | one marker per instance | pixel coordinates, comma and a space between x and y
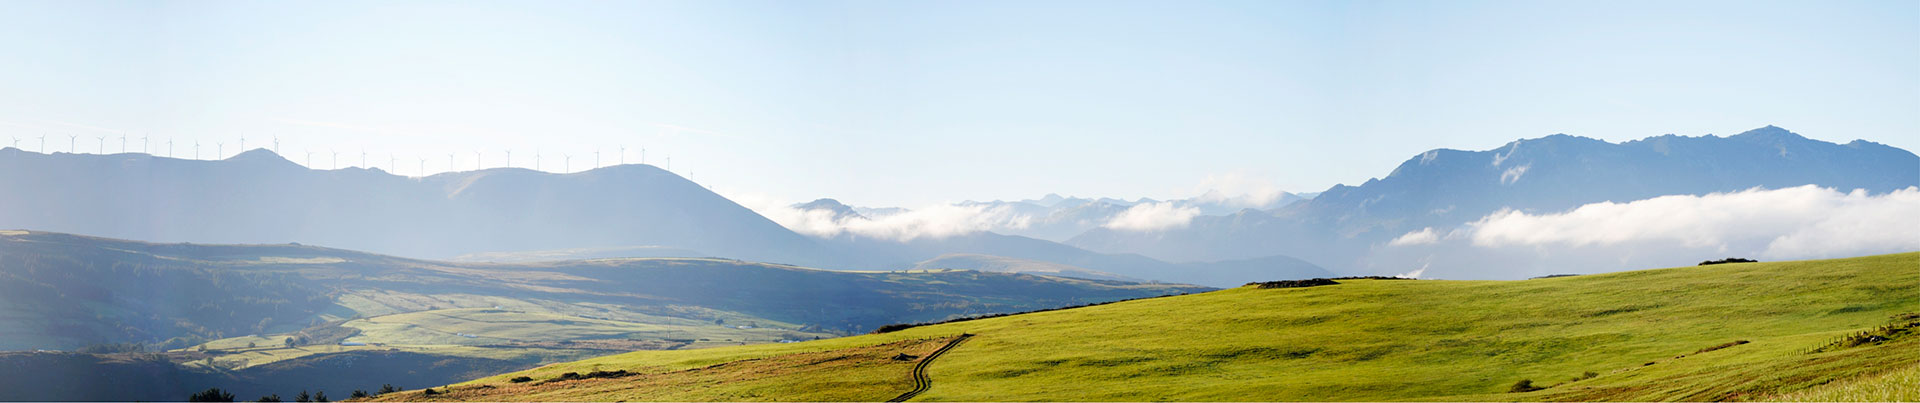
263, 157
1770, 133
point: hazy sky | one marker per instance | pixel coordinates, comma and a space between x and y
906, 103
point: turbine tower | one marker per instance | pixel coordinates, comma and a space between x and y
336, 158
103, 145
623, 154
566, 163
276, 144
123, 143
393, 163
16, 142
596, 158
536, 159
509, 158
73, 141
196, 150
169, 147
476, 161
43, 144
363, 158
450, 162
423, 167
309, 159
143, 145
243, 144
219, 150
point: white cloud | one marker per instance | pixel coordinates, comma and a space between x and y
1791, 223
1238, 189
936, 221
1422, 237
1152, 217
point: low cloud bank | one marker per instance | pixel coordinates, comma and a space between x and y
1799, 222
1152, 217
1806, 222
934, 222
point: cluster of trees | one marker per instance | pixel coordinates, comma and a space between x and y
1728, 260
1312, 282
218, 395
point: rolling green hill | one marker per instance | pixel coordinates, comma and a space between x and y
1751, 331
232, 308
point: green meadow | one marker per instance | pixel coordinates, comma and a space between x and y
1752, 331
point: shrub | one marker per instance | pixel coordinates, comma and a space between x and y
359, 394
270, 398
429, 392
1728, 260
1586, 376
1524, 385
521, 379
1312, 282
387, 388
211, 395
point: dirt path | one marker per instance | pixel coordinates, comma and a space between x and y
920, 381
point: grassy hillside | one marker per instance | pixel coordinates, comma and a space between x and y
1725, 332
230, 308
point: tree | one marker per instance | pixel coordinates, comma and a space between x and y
387, 388
251, 345
359, 394
289, 342
211, 395
302, 397
321, 396
1524, 385
269, 398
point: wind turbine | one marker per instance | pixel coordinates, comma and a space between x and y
243, 144
309, 159
363, 158
73, 141
669, 163
123, 143
169, 147
393, 163
219, 150
143, 145
643, 155
336, 158
423, 167
566, 163
596, 158
509, 158
43, 144
477, 165
276, 144
103, 145
623, 154
450, 165
16, 142
536, 159
196, 149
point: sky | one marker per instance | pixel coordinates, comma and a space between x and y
913, 103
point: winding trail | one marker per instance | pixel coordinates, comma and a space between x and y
920, 380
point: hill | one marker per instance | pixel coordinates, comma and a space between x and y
235, 308
258, 197
1342, 227
1744, 331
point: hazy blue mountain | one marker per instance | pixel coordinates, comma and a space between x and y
1445, 187
258, 197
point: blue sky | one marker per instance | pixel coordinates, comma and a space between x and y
907, 103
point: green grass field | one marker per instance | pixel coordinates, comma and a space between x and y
1644, 335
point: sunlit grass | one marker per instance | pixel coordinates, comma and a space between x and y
1642, 333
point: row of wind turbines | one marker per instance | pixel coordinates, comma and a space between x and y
393, 160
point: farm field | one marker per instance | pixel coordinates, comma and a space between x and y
1750, 331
